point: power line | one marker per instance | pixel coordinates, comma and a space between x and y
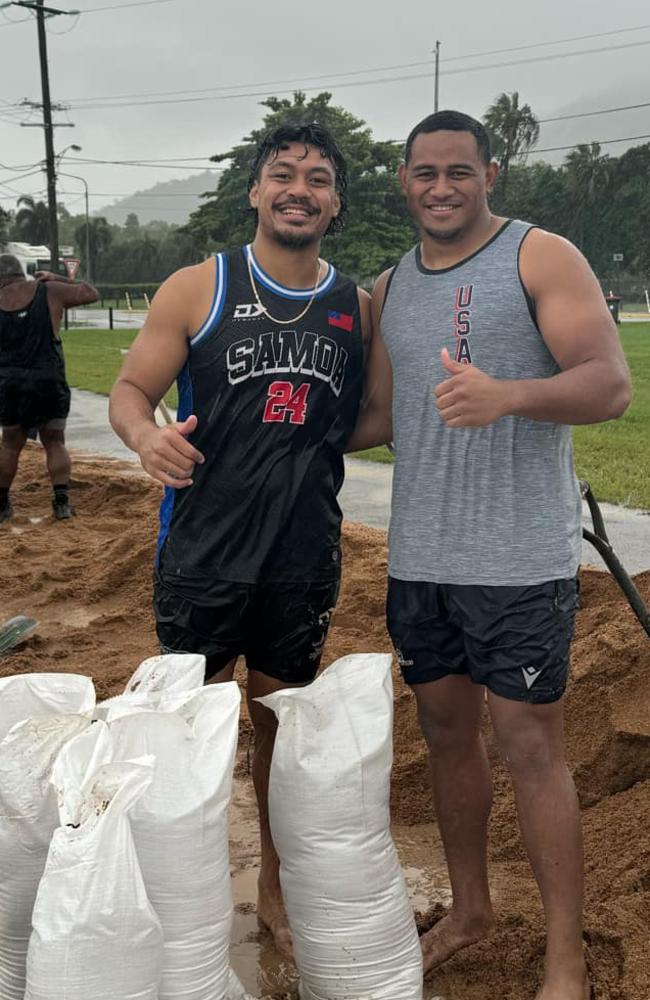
185, 162
149, 165
138, 194
9, 22
591, 114
556, 41
21, 177
123, 6
121, 103
170, 162
90, 10
22, 166
590, 142
375, 69
143, 162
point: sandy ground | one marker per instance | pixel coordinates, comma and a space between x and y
88, 581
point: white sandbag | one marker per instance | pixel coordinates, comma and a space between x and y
31, 696
353, 929
171, 673
95, 935
28, 818
180, 827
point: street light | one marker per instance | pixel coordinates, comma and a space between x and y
59, 156
76, 177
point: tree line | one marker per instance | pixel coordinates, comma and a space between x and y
599, 202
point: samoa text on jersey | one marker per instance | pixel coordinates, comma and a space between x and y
275, 403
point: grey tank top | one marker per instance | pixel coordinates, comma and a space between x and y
492, 506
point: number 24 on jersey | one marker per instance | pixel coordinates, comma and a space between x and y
284, 401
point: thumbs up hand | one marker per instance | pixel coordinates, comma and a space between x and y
167, 455
469, 397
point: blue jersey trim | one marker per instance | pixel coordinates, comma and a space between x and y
218, 299
274, 286
185, 407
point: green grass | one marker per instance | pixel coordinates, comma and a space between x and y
93, 359
380, 454
614, 457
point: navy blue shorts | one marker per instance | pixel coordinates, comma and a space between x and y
279, 627
514, 640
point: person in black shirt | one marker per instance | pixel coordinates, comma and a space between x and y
33, 389
266, 343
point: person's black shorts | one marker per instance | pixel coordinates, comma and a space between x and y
279, 627
514, 640
34, 400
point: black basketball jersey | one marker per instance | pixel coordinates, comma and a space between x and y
275, 404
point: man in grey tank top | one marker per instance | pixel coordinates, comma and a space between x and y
491, 338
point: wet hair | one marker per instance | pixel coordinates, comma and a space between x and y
316, 136
452, 121
10, 267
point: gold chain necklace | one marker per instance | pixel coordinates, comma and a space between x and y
281, 322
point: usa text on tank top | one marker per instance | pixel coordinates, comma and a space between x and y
496, 505
276, 404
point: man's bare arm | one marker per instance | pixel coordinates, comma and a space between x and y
156, 357
66, 292
374, 424
573, 318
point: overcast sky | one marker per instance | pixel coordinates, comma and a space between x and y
112, 56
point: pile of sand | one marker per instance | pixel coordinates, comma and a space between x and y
88, 582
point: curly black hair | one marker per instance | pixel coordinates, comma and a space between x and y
317, 137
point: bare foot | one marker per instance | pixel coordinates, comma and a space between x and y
575, 987
449, 935
272, 916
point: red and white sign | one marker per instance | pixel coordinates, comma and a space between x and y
71, 266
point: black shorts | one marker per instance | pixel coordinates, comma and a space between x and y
33, 400
514, 640
279, 627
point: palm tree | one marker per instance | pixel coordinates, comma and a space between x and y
32, 222
100, 239
588, 175
514, 130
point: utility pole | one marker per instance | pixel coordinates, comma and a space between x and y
40, 10
437, 77
49, 139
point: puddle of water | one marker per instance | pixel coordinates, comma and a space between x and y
423, 862
253, 956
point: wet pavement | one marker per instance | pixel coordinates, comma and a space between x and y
365, 496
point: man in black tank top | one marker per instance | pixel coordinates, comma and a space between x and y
489, 338
266, 343
33, 389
